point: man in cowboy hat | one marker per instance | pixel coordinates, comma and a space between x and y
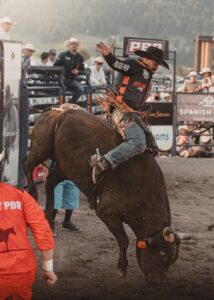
51, 57
207, 81
191, 85
136, 75
27, 52
97, 76
72, 61
5, 27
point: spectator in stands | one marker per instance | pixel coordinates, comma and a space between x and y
202, 140
5, 27
154, 97
183, 141
192, 85
97, 76
51, 57
73, 64
44, 58
207, 81
165, 97
66, 195
28, 50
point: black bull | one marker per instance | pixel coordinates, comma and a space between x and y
133, 193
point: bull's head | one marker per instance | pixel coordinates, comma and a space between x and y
156, 254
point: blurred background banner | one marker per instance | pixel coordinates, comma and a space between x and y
130, 44
195, 107
163, 136
10, 106
160, 114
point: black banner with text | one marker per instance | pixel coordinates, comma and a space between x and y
160, 113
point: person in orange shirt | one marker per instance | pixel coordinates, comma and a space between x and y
19, 211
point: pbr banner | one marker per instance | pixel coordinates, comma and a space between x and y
130, 44
10, 81
160, 113
195, 107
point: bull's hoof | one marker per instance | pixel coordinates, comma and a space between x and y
121, 274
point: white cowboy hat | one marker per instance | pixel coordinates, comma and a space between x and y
205, 70
6, 20
193, 74
99, 60
185, 127
72, 41
30, 47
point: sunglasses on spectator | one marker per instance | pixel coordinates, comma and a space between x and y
99, 63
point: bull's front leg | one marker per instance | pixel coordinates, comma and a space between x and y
115, 225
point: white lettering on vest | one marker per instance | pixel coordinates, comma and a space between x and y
10, 205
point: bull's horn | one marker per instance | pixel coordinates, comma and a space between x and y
168, 234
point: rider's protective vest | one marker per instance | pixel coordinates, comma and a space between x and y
133, 89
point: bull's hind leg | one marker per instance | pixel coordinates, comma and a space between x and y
115, 225
53, 178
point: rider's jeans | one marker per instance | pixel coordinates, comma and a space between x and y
134, 144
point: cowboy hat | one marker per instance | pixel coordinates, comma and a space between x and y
29, 46
6, 20
153, 53
72, 41
193, 74
185, 127
99, 60
205, 70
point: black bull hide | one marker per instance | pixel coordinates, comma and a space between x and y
133, 193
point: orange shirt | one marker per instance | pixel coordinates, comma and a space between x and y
18, 210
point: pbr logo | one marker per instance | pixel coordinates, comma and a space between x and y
131, 44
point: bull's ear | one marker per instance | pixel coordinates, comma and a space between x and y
168, 234
142, 244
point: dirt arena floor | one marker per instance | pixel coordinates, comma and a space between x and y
86, 262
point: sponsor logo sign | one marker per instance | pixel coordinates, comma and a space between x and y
163, 136
130, 44
160, 113
195, 107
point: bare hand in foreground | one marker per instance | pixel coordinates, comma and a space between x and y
104, 49
49, 277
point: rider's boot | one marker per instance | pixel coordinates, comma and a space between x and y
99, 165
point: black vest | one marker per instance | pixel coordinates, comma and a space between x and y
133, 89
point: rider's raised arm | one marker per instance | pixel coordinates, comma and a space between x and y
126, 67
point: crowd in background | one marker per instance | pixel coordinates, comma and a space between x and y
73, 62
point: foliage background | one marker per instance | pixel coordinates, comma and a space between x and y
49, 23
